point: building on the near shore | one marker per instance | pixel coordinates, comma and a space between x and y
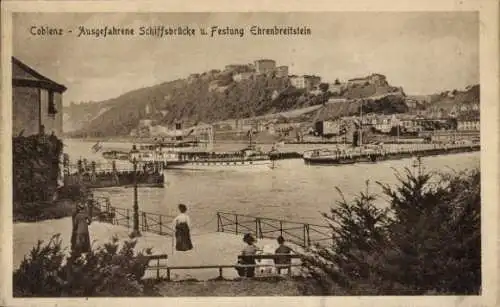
468, 123
329, 127
36, 102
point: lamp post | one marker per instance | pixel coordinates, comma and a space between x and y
135, 232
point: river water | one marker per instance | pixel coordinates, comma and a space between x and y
292, 191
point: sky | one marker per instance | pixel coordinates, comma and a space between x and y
424, 52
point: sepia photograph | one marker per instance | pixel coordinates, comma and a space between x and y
247, 154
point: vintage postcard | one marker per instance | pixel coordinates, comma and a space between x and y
318, 154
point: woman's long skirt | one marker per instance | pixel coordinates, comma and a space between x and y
182, 238
80, 243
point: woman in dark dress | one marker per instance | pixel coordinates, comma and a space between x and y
182, 226
80, 237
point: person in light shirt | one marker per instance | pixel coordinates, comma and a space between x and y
182, 226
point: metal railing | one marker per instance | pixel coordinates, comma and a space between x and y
302, 234
149, 222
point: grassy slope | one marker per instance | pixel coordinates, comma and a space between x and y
243, 287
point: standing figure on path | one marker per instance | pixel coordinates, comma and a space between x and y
182, 226
80, 238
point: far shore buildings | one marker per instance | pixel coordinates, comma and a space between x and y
259, 67
305, 82
265, 66
375, 79
36, 102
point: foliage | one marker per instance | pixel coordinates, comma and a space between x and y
35, 162
427, 240
108, 270
39, 211
324, 87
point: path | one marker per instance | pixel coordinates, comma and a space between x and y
210, 248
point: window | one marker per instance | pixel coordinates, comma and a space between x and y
51, 104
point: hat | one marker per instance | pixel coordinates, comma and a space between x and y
80, 206
248, 238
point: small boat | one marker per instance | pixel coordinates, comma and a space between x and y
341, 157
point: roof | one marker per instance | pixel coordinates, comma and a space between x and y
359, 79
265, 60
23, 75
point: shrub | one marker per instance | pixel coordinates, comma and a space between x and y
109, 270
64, 206
39, 211
35, 162
428, 240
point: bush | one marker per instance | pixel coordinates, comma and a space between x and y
105, 271
39, 211
428, 240
64, 206
35, 161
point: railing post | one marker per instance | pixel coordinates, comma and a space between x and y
128, 219
144, 222
158, 269
236, 221
168, 274
281, 228
260, 230
220, 272
159, 222
256, 227
218, 222
304, 235
308, 238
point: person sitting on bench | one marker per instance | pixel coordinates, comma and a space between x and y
282, 249
249, 250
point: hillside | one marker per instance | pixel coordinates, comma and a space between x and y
214, 96
210, 97
384, 104
448, 101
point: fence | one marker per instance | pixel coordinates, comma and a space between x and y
149, 222
302, 234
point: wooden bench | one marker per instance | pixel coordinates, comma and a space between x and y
156, 267
286, 257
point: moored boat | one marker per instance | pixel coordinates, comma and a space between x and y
115, 155
248, 158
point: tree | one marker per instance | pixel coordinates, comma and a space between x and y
428, 240
324, 87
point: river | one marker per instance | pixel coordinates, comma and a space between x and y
292, 191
